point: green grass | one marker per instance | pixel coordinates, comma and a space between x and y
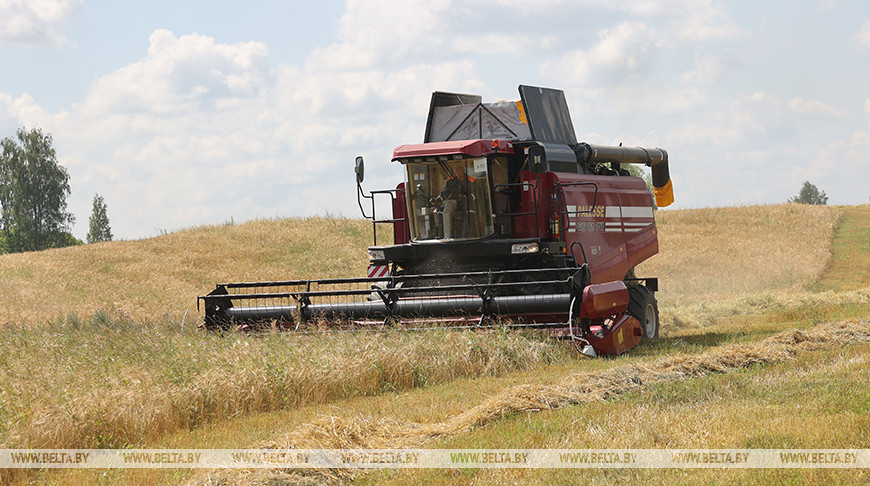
850, 264
818, 400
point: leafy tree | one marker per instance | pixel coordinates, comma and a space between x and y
33, 192
638, 171
810, 194
60, 239
99, 223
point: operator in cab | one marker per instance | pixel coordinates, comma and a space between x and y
457, 197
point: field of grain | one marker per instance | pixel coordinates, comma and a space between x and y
97, 350
360, 432
159, 278
718, 253
706, 255
739, 258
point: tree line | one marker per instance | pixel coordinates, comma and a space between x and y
33, 191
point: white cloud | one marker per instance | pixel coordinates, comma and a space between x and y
772, 118
181, 74
498, 43
750, 149
620, 52
862, 37
763, 146
707, 70
842, 169
689, 20
35, 23
398, 32
828, 5
25, 111
704, 22
198, 131
815, 108
176, 134
372, 33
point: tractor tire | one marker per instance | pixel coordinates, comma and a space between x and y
642, 305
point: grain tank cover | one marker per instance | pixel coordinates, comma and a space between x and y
442, 106
540, 115
548, 115
463, 117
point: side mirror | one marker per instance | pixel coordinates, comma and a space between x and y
537, 159
359, 169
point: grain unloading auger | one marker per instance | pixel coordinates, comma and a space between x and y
503, 219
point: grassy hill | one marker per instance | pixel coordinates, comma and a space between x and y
157, 277
95, 355
705, 255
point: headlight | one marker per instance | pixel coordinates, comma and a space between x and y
524, 248
376, 255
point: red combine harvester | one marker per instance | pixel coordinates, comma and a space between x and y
503, 219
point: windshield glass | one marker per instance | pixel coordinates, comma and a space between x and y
449, 199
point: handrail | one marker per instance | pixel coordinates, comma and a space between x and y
394, 194
534, 212
563, 212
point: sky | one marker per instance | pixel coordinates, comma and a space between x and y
181, 114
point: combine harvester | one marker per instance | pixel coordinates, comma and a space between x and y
503, 219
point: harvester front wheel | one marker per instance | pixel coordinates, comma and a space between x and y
643, 306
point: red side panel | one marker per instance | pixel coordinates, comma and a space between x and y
539, 199
624, 334
528, 223
642, 246
401, 231
610, 218
601, 300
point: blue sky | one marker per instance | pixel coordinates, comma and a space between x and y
189, 113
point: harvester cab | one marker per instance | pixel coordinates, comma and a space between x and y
503, 218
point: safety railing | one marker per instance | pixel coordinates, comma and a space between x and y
394, 195
564, 215
525, 186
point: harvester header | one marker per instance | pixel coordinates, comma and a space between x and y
503, 218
